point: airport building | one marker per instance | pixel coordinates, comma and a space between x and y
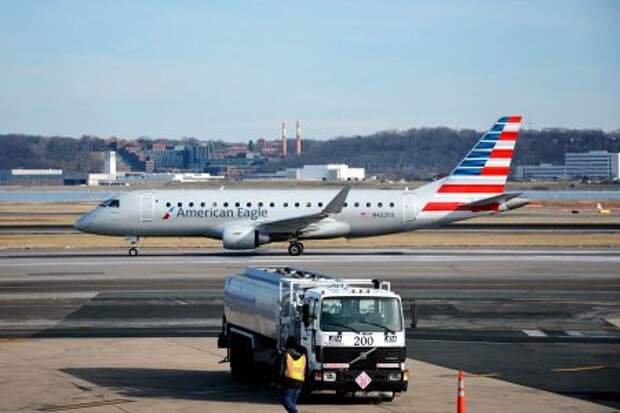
330, 172
593, 164
545, 171
25, 177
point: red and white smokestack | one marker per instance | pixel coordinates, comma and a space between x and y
298, 139
283, 139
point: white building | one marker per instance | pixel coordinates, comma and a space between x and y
330, 172
110, 165
593, 164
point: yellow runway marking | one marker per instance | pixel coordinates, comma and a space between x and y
583, 368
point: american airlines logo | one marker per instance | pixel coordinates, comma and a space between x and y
248, 213
168, 213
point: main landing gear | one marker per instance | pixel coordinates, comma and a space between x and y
295, 248
133, 251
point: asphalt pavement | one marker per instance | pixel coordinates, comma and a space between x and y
543, 318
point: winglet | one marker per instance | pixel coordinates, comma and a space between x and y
336, 204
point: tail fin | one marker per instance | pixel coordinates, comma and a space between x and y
484, 170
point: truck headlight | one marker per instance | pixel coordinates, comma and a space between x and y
329, 376
394, 376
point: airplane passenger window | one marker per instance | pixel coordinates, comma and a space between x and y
179, 204
309, 204
191, 204
380, 204
202, 205
249, 205
272, 204
321, 204
225, 204
391, 204
260, 204
214, 204
297, 204
237, 204
368, 204
346, 204
357, 204
285, 204
168, 204
114, 203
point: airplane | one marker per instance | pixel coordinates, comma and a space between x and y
245, 219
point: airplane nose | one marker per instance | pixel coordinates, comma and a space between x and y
83, 223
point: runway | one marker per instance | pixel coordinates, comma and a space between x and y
537, 317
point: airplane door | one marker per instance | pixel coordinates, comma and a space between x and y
146, 206
410, 208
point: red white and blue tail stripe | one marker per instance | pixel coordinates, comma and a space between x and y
483, 172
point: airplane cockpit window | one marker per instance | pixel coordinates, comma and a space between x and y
110, 203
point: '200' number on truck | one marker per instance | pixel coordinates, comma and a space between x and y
363, 341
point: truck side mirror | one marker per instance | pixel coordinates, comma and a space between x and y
414, 315
305, 315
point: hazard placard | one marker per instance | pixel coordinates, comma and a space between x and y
363, 380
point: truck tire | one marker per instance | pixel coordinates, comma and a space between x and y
241, 358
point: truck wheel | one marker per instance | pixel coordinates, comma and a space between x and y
388, 396
238, 369
241, 358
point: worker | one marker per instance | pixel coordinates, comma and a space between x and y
293, 371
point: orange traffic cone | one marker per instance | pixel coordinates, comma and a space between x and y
460, 395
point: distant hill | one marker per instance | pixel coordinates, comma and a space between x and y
414, 153
429, 152
26, 151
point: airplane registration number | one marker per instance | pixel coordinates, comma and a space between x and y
383, 215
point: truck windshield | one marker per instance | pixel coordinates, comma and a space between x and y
361, 314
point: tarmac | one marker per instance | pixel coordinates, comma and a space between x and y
534, 329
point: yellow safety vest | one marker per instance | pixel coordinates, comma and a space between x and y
295, 369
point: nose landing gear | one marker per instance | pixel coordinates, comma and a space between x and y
295, 248
133, 251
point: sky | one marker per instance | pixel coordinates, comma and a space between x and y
234, 70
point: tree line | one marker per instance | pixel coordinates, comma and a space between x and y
419, 153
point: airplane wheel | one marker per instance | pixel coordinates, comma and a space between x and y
295, 249
133, 252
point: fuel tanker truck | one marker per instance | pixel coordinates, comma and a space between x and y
352, 330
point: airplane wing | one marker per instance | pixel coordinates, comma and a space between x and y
296, 224
497, 199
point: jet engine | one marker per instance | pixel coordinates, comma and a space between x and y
243, 237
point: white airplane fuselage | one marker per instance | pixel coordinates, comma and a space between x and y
205, 213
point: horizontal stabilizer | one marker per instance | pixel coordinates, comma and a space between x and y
493, 200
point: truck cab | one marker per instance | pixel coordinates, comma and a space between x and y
355, 339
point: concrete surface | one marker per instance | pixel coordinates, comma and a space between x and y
185, 374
